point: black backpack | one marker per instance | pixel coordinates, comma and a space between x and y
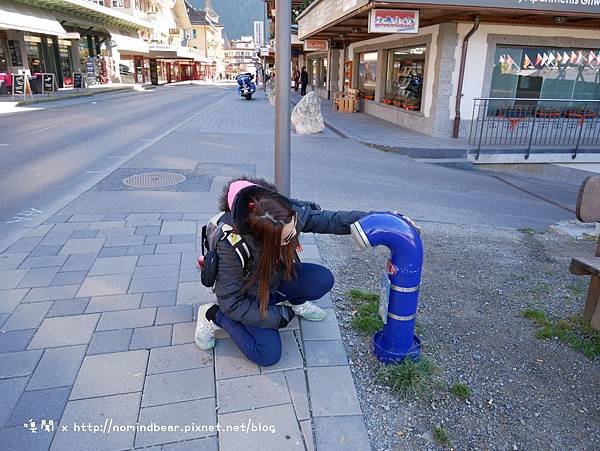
212, 234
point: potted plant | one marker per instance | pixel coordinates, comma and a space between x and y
388, 101
398, 102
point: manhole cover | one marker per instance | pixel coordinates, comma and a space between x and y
154, 179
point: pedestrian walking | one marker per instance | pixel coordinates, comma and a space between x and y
254, 302
296, 78
303, 81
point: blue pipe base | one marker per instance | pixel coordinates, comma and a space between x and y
387, 356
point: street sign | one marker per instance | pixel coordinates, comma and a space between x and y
316, 45
259, 32
77, 80
393, 21
47, 82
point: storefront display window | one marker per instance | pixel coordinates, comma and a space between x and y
3, 57
546, 73
367, 74
323, 77
404, 77
33, 45
64, 48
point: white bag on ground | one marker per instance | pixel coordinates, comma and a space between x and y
307, 117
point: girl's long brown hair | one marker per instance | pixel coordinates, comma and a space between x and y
266, 220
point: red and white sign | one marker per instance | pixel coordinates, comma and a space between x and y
316, 45
393, 21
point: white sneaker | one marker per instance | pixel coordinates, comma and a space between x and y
205, 329
309, 311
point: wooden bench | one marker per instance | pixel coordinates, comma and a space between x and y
588, 210
346, 103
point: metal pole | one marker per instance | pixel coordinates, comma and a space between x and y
283, 49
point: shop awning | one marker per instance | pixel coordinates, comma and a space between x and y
19, 17
129, 44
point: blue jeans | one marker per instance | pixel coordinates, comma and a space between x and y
263, 346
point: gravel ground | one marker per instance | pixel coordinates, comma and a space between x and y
527, 393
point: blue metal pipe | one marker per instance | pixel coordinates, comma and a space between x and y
397, 340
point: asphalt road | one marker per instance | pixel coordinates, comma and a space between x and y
46, 155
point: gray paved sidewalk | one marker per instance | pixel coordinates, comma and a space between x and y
97, 316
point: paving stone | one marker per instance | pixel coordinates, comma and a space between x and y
79, 262
110, 341
27, 316
143, 249
38, 277
157, 239
70, 227
57, 219
115, 231
68, 307
9, 299
92, 233
153, 284
201, 444
45, 251
115, 302
230, 362
296, 382
151, 337
189, 260
332, 391
172, 248
147, 230
43, 262
127, 319
174, 314
286, 437
145, 272
83, 246
294, 324
346, 432
113, 265
141, 223
178, 228
327, 329
189, 275
104, 285
11, 261
15, 340
143, 217
113, 251
183, 239
248, 392
171, 216
56, 238
107, 224
19, 363
57, 368
10, 392
11, 278
164, 259
197, 216
40, 230
183, 333
110, 374
159, 298
3, 318
26, 244
52, 331
51, 293
124, 241
310, 252
38, 405
122, 409
325, 302
69, 278
307, 238
325, 353
114, 217
86, 218
176, 386
178, 358
200, 412
290, 354
194, 293
307, 433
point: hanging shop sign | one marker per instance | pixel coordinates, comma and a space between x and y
264, 51
316, 45
71, 36
393, 21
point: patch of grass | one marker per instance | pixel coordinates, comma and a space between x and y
441, 436
571, 331
366, 320
409, 378
461, 390
519, 277
542, 288
578, 289
527, 230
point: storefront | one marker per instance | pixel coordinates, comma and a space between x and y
409, 67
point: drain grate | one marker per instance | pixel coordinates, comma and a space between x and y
154, 179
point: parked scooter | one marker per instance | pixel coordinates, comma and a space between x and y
246, 86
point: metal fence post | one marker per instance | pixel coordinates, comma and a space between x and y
283, 49
583, 114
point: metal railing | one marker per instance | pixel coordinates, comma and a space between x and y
534, 125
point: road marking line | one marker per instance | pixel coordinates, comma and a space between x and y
39, 130
94, 172
4, 145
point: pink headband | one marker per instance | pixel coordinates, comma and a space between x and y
235, 188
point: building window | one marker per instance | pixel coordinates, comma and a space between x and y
64, 48
3, 57
33, 45
367, 74
404, 77
194, 34
546, 73
117, 3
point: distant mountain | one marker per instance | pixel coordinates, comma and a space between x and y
237, 16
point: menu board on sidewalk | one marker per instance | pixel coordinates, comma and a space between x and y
19, 82
77, 80
47, 82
